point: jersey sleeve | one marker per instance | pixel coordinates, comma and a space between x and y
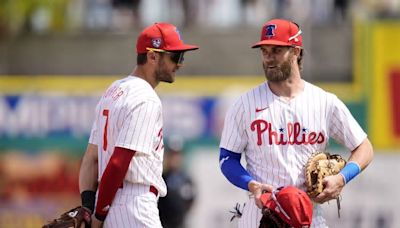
234, 137
93, 133
139, 126
343, 127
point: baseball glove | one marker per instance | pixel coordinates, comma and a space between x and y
271, 220
78, 217
320, 165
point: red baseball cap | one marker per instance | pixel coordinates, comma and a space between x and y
291, 204
162, 36
280, 32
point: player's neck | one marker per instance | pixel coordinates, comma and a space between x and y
288, 89
142, 72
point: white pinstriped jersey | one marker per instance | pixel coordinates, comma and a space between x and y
278, 136
129, 115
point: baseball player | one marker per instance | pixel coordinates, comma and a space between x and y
125, 151
280, 123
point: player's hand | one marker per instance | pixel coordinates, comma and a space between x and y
257, 189
96, 223
333, 186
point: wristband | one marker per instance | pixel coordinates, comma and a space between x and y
351, 170
88, 199
100, 217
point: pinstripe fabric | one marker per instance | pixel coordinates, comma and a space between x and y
278, 136
129, 115
134, 206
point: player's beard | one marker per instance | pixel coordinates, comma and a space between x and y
163, 74
278, 73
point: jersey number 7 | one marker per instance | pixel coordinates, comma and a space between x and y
105, 113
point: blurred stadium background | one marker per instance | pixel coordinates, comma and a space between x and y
57, 56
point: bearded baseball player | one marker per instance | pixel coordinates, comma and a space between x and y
123, 160
279, 124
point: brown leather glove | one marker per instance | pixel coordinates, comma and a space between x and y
78, 217
320, 165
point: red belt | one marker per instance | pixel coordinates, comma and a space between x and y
153, 190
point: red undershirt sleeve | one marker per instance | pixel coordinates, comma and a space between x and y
112, 179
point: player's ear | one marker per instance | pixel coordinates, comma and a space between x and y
296, 51
151, 56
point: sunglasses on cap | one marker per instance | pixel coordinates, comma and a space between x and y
176, 57
297, 34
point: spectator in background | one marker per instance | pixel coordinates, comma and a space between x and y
254, 12
386, 8
174, 207
280, 8
98, 15
189, 11
340, 9
181, 12
126, 14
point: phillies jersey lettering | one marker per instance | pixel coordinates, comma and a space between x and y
278, 136
129, 115
294, 134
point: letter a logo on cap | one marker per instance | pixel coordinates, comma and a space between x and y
270, 30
